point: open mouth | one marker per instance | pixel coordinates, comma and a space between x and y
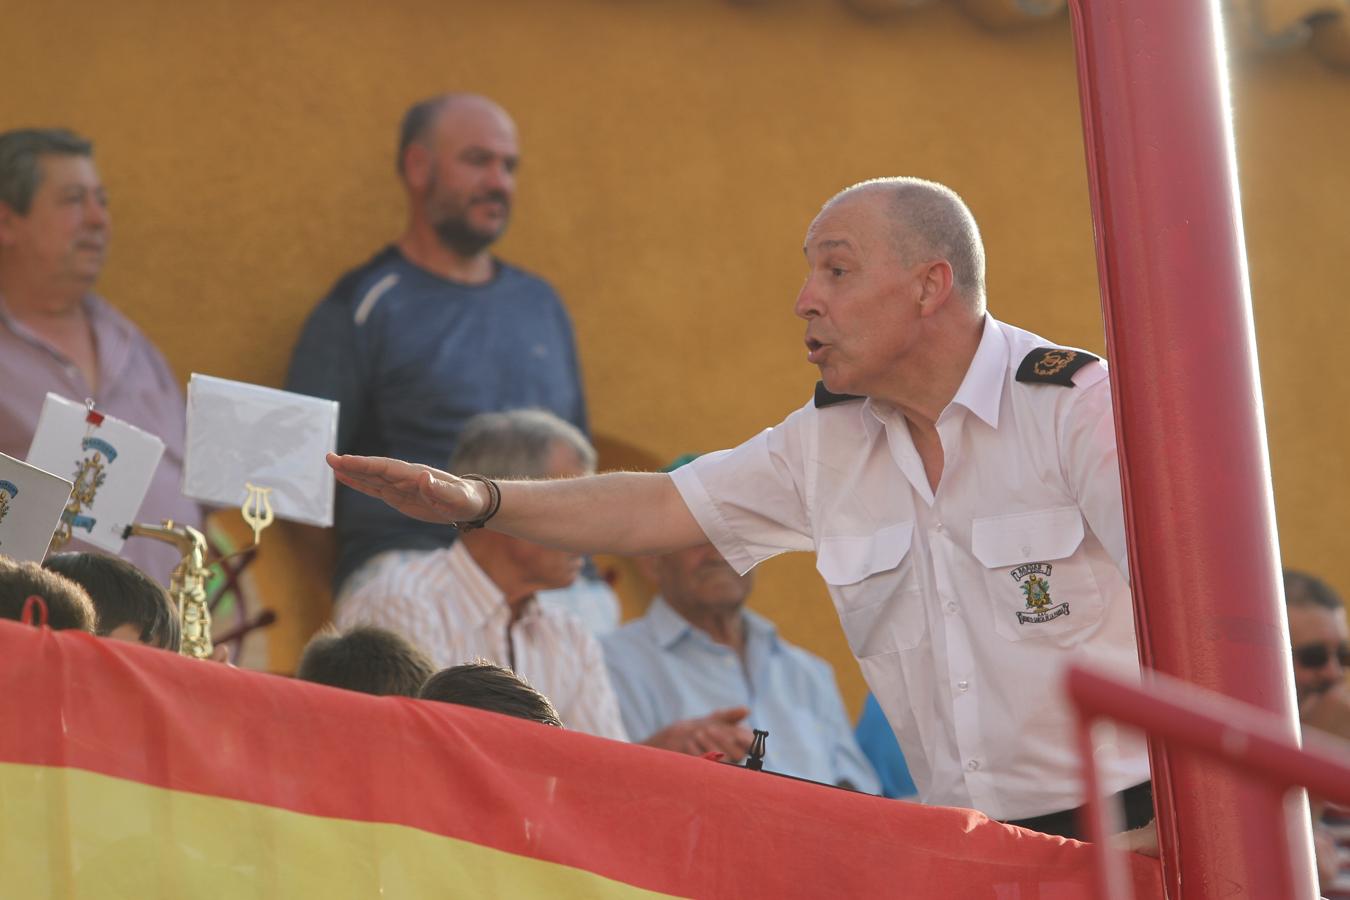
815, 350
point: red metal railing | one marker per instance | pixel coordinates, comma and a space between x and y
1210, 728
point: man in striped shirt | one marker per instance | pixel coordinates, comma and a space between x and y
476, 598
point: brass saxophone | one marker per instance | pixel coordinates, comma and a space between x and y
187, 583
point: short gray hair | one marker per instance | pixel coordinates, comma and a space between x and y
931, 218
20, 150
517, 444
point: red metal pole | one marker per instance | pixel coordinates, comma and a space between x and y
1199, 510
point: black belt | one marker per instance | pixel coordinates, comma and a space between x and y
1138, 802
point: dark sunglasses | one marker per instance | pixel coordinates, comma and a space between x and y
1315, 656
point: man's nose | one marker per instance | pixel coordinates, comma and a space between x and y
1333, 669
808, 304
96, 212
501, 178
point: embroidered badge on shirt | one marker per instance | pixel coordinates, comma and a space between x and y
1052, 365
1034, 580
824, 398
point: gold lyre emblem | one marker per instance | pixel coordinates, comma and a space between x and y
1053, 362
257, 509
1037, 591
89, 477
90, 473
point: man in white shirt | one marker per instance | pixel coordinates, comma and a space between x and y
956, 478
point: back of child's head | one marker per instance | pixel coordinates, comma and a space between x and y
130, 604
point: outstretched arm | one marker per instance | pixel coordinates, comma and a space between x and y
627, 513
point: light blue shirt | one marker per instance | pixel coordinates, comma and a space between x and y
664, 670
882, 750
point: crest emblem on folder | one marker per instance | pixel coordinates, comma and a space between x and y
8, 491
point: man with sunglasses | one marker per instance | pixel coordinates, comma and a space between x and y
1320, 640
1321, 646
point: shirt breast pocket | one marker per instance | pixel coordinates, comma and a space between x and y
879, 606
1039, 584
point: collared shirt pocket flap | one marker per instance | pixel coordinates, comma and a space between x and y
1042, 535
843, 561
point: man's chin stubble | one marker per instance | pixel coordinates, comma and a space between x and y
462, 241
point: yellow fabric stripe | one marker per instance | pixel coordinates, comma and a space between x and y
74, 834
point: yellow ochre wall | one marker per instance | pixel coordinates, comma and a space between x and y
674, 152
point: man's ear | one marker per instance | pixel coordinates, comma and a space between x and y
937, 282
417, 162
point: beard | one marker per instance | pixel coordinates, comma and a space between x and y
453, 229
461, 238
1314, 690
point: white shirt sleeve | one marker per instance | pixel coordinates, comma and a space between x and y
750, 500
1088, 457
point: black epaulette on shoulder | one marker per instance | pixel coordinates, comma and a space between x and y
824, 398
1053, 365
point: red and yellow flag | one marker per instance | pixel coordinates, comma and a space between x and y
131, 772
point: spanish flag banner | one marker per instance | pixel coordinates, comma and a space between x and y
131, 772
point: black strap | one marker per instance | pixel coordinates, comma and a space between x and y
1138, 802
824, 398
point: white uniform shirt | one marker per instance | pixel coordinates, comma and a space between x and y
442, 601
962, 607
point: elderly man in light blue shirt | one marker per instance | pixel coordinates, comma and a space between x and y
699, 653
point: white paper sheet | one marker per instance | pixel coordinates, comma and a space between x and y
239, 434
31, 502
111, 465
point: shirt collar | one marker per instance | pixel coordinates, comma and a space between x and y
669, 627
981, 390
482, 599
112, 331
666, 624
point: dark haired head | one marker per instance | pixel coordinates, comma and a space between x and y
366, 659
122, 595
483, 685
417, 122
1302, 589
68, 606
20, 150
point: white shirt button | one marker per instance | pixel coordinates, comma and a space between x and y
951, 607
963, 686
973, 765
937, 527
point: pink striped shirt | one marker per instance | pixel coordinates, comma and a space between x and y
443, 602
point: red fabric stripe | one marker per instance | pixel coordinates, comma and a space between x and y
654, 819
